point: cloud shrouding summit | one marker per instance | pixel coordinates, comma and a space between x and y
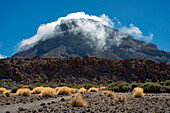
46, 31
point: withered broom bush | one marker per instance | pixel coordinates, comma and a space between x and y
2, 90
23, 92
77, 101
105, 92
37, 90
120, 99
93, 89
109, 94
63, 91
6, 93
19, 91
102, 88
138, 92
57, 88
82, 90
47, 91
73, 90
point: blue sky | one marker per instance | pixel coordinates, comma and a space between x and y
20, 19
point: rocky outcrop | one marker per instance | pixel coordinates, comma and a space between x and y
82, 70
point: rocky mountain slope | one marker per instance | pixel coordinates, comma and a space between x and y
86, 70
72, 39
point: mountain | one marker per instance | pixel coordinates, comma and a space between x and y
86, 37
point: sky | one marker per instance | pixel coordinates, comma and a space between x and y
20, 19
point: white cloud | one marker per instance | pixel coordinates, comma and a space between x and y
96, 32
2, 56
45, 31
136, 32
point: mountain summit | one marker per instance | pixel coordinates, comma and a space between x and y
87, 37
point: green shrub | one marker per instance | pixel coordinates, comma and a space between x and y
150, 87
1, 84
162, 83
114, 88
88, 86
31, 87
167, 90
41, 84
167, 82
63, 84
14, 89
124, 87
133, 85
110, 87
139, 84
120, 86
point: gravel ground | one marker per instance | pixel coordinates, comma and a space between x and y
96, 103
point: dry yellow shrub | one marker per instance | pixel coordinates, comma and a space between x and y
37, 90
57, 88
63, 91
93, 89
109, 94
120, 99
19, 91
6, 93
47, 91
73, 90
82, 90
138, 92
2, 90
77, 101
102, 88
24, 92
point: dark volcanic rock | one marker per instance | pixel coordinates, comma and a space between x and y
73, 43
87, 70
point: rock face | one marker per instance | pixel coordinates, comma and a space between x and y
71, 39
86, 70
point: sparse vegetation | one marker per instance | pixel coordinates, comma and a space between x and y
150, 87
82, 90
120, 86
73, 90
105, 92
138, 92
37, 90
167, 82
56, 89
134, 85
47, 91
6, 93
2, 90
109, 94
120, 99
102, 88
23, 92
63, 91
77, 101
88, 86
93, 89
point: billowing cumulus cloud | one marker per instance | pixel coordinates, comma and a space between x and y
94, 31
2, 56
136, 32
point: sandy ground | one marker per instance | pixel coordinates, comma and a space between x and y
96, 103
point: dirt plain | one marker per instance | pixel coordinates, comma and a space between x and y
96, 103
